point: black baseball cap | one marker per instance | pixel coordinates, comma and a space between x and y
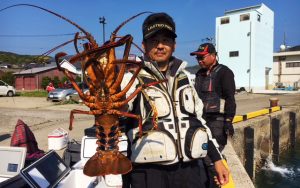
158, 22
206, 48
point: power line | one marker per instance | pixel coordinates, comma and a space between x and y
33, 36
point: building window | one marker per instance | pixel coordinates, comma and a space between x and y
244, 17
258, 17
225, 20
292, 64
234, 54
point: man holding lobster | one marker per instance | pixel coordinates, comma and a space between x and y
174, 136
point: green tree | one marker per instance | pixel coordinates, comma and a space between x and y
56, 81
64, 79
9, 78
78, 79
45, 81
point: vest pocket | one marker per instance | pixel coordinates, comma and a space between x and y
159, 100
196, 142
212, 102
187, 103
154, 146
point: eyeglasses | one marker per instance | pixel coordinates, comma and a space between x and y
201, 58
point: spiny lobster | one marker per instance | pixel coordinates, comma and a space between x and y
105, 98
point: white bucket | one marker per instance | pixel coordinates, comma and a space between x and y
58, 139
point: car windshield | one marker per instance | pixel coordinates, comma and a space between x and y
68, 85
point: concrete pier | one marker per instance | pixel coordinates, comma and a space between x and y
239, 174
260, 138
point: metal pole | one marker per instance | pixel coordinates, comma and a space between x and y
250, 33
249, 151
102, 21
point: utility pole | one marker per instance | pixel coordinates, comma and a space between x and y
102, 21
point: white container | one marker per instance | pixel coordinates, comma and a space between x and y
89, 147
76, 178
12, 161
58, 139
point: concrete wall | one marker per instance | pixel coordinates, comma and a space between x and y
267, 136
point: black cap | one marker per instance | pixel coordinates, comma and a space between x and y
206, 48
157, 22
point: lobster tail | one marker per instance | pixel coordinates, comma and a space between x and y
107, 162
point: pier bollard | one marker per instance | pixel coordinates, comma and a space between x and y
293, 129
249, 151
273, 101
275, 139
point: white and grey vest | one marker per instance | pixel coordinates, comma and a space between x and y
181, 136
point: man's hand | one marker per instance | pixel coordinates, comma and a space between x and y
222, 172
228, 128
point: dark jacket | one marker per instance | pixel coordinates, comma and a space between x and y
223, 86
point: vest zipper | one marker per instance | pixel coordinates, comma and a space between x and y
178, 142
180, 155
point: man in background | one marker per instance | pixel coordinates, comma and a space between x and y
215, 86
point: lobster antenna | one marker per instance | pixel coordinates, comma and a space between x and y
134, 44
126, 21
57, 47
88, 35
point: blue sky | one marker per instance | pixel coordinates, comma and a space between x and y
195, 20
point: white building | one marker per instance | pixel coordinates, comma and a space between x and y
244, 41
286, 68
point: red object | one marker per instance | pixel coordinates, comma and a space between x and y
58, 136
24, 137
50, 87
206, 48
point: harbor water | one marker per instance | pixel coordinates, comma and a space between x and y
284, 174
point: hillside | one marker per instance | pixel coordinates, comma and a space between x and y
23, 60
19, 60
193, 69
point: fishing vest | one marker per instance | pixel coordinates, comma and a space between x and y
212, 101
180, 135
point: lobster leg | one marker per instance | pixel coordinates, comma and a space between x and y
78, 89
124, 40
113, 89
117, 96
91, 79
120, 104
99, 78
109, 70
115, 85
66, 72
81, 112
128, 40
126, 114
